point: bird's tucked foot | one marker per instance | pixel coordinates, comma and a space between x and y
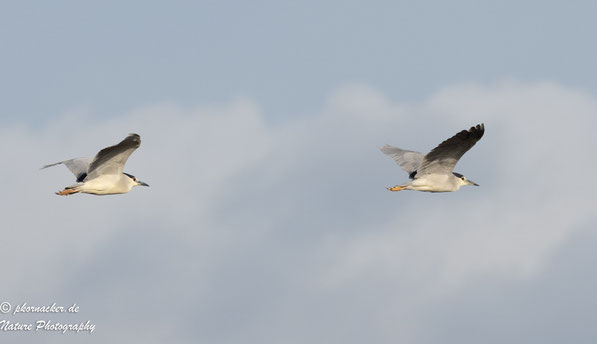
67, 192
397, 188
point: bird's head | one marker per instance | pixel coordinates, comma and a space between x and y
463, 181
135, 181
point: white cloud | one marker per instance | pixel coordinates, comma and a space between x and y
285, 233
534, 145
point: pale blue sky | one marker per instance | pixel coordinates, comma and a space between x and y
112, 56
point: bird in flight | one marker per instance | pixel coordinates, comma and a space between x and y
434, 172
103, 174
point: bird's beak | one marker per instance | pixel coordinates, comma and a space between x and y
141, 183
472, 183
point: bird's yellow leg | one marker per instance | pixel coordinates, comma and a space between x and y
397, 188
67, 192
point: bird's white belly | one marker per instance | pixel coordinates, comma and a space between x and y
103, 185
434, 183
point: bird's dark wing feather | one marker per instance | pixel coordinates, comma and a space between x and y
111, 160
444, 157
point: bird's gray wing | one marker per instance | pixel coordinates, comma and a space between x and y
111, 160
444, 157
77, 166
408, 160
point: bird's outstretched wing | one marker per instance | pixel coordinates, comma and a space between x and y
408, 160
77, 166
444, 157
111, 160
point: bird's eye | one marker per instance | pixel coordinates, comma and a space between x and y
463, 178
134, 179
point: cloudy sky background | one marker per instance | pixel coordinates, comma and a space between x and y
267, 219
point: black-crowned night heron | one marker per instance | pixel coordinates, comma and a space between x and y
103, 175
434, 172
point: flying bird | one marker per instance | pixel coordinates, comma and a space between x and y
434, 172
103, 174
